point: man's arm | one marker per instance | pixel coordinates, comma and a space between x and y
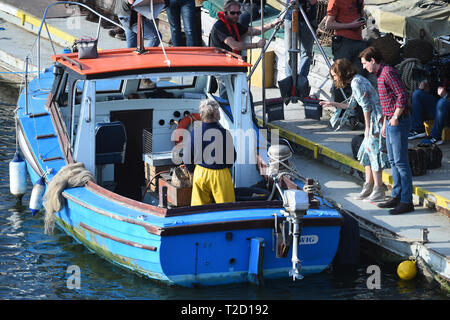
236, 45
331, 23
254, 31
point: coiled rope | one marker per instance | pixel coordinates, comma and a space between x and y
406, 69
70, 176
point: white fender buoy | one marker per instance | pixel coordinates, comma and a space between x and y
17, 176
37, 195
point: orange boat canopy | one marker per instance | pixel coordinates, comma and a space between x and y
127, 61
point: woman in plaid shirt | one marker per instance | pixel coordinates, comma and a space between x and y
396, 126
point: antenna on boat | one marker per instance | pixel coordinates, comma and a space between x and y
140, 49
140, 44
26, 83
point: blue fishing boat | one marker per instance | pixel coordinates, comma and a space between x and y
99, 132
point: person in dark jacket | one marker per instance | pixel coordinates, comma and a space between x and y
227, 33
209, 155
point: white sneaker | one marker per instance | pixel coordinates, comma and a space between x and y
378, 194
414, 135
365, 192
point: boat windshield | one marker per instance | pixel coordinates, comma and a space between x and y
166, 82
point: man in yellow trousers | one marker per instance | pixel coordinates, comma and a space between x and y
210, 154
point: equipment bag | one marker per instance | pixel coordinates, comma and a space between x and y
433, 155
417, 161
356, 144
87, 48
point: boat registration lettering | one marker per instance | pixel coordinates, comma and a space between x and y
309, 239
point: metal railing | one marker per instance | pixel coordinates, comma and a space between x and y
44, 23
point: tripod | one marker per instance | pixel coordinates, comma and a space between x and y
294, 51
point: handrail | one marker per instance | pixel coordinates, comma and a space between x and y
73, 62
51, 42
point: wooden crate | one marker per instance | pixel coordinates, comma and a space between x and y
175, 196
151, 171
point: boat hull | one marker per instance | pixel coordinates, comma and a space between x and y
193, 259
190, 246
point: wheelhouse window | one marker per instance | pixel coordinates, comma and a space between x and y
104, 85
172, 82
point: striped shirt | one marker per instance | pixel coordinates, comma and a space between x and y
391, 90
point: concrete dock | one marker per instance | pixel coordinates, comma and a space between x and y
322, 153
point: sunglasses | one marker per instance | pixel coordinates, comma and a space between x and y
234, 12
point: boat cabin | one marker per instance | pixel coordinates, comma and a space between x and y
119, 113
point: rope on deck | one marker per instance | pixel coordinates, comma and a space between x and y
70, 176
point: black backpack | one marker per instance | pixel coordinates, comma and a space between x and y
433, 155
417, 161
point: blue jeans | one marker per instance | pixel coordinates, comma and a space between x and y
426, 106
150, 32
397, 148
442, 118
185, 9
423, 108
305, 40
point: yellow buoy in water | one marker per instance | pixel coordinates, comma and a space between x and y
407, 270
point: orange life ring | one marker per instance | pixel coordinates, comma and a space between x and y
186, 122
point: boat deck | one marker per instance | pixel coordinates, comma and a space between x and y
317, 141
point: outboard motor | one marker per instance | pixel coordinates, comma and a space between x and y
296, 203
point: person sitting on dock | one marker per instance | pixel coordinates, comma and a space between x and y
227, 33
396, 125
128, 19
208, 156
426, 106
372, 152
